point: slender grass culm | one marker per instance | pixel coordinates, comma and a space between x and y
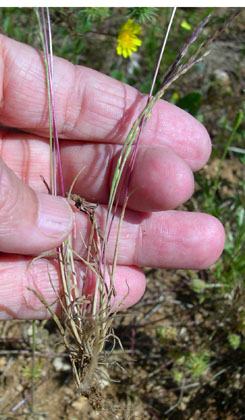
87, 322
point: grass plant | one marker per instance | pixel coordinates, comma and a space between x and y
88, 319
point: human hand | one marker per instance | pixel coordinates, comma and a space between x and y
94, 114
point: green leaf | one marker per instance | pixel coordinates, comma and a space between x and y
185, 25
142, 14
234, 340
198, 286
191, 102
118, 75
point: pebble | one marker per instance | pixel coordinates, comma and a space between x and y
221, 77
60, 365
80, 403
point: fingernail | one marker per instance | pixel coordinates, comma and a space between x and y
55, 215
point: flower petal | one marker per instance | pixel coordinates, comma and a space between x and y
127, 38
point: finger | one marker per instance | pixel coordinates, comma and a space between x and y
90, 106
18, 276
171, 239
30, 222
161, 180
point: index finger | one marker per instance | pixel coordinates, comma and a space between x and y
89, 105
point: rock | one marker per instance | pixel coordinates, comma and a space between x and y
3, 363
221, 77
19, 388
80, 403
220, 84
60, 365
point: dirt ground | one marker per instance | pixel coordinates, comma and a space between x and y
141, 385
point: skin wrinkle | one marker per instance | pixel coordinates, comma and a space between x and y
18, 285
21, 222
101, 112
70, 117
139, 243
155, 176
43, 112
28, 75
32, 278
42, 117
211, 236
172, 242
31, 71
110, 113
167, 173
35, 150
169, 130
112, 98
105, 176
102, 84
95, 177
48, 286
6, 309
86, 92
95, 111
7, 210
3, 134
24, 169
4, 84
102, 122
102, 100
179, 240
122, 127
40, 156
161, 233
114, 91
69, 98
8, 202
2, 75
132, 220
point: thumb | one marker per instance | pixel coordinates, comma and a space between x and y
30, 222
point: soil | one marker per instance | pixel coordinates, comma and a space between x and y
138, 383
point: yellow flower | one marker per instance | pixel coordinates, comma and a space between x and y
175, 96
127, 40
